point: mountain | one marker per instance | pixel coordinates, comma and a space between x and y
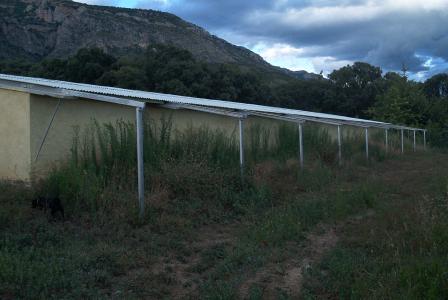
58, 28
37, 29
304, 75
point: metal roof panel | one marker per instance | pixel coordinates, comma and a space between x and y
147, 96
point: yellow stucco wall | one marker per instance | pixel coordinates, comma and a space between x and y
26, 118
183, 119
80, 113
14, 135
71, 114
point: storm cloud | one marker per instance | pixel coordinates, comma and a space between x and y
324, 34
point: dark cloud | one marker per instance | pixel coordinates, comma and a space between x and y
388, 33
214, 15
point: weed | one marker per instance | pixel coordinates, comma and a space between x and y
102, 250
398, 253
197, 167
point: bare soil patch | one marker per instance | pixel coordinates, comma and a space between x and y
287, 276
179, 273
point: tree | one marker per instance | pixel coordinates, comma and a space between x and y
438, 122
86, 66
357, 87
403, 103
125, 76
17, 67
314, 95
357, 90
437, 86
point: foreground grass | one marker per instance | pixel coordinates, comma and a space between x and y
399, 253
210, 239
275, 233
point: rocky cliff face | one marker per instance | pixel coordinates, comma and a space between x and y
36, 29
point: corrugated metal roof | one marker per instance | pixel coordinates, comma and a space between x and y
147, 96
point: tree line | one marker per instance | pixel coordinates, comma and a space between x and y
358, 90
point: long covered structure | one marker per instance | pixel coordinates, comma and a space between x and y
37, 118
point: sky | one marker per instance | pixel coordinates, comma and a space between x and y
323, 35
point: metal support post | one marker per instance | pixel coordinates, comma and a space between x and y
367, 143
424, 139
241, 126
402, 141
387, 140
301, 146
48, 129
415, 144
140, 162
339, 145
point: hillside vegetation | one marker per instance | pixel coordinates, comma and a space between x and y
39, 29
360, 90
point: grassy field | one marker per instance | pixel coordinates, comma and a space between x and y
366, 230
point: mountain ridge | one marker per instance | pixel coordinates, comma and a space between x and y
38, 29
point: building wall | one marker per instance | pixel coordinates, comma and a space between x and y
72, 114
81, 113
14, 135
183, 119
26, 118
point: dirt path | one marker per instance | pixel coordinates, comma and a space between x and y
274, 279
288, 276
183, 278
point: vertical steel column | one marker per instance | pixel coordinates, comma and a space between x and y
301, 146
415, 146
241, 126
367, 143
402, 141
140, 163
387, 140
339, 145
424, 139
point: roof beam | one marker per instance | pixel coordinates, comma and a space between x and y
66, 94
287, 118
216, 111
40, 92
109, 99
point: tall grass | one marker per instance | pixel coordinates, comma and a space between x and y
163, 144
282, 143
196, 162
192, 180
